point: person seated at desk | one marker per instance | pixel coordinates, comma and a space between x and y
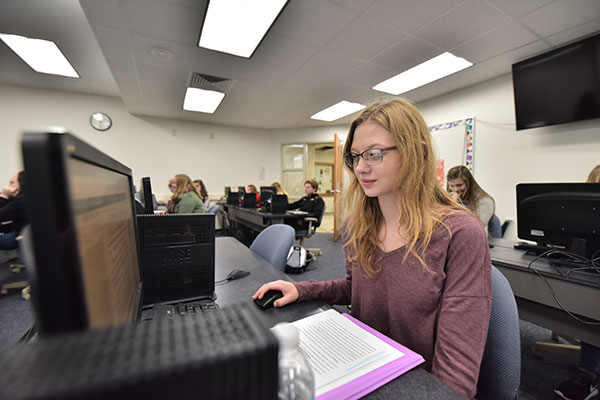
13, 208
203, 193
465, 190
584, 385
312, 204
279, 188
187, 198
252, 189
418, 265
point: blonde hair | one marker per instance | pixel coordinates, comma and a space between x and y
184, 185
594, 176
280, 189
422, 202
473, 192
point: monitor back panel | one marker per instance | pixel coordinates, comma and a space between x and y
177, 257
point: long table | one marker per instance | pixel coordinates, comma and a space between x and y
579, 293
231, 254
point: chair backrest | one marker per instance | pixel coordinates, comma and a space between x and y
495, 227
500, 373
320, 218
273, 244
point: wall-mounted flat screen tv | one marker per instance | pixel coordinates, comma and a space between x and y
560, 86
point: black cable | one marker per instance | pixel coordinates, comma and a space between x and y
546, 254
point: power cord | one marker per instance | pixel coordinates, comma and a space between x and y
547, 254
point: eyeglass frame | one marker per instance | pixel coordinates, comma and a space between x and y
355, 157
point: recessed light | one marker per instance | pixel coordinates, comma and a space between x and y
438, 67
159, 52
201, 100
41, 55
237, 26
337, 111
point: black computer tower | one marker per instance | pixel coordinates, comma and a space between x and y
220, 354
279, 204
177, 257
249, 200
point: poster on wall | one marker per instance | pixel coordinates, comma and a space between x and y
453, 143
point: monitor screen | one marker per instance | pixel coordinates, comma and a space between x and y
147, 195
560, 86
563, 215
83, 235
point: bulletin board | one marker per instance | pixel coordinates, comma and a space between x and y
454, 145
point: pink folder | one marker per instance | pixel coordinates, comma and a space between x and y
367, 383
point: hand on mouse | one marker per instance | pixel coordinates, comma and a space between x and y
290, 293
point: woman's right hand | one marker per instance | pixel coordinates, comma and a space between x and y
455, 196
290, 293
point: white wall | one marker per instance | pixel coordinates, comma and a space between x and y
505, 157
147, 145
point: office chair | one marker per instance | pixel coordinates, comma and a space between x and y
500, 373
16, 265
273, 244
495, 227
311, 224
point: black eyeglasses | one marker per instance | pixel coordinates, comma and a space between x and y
371, 157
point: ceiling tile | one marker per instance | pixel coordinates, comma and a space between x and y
304, 82
18, 18
105, 13
409, 52
104, 88
315, 22
502, 64
365, 37
576, 33
330, 64
469, 20
367, 75
181, 55
265, 74
410, 15
516, 8
561, 15
498, 41
283, 52
163, 20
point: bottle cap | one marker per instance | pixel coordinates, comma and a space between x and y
287, 334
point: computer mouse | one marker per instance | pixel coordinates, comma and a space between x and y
237, 274
268, 299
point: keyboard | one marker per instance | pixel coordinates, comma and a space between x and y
170, 311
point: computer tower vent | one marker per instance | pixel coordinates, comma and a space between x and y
219, 354
175, 229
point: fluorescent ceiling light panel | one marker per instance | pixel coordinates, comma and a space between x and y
237, 26
41, 55
201, 100
337, 111
427, 72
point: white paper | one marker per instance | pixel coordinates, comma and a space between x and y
339, 351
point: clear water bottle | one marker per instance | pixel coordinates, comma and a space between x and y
296, 379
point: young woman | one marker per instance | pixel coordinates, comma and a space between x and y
280, 189
203, 193
187, 198
464, 189
417, 264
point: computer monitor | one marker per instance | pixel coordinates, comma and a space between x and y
563, 215
147, 196
83, 235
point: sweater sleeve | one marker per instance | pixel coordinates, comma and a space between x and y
464, 313
485, 209
337, 291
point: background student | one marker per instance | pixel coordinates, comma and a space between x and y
417, 264
464, 189
203, 193
187, 198
280, 189
13, 199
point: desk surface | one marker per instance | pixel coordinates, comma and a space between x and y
579, 292
231, 254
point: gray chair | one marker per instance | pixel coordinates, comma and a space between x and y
500, 373
273, 244
495, 227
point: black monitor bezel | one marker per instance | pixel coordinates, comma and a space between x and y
58, 292
147, 191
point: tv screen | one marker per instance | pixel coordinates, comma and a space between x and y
559, 86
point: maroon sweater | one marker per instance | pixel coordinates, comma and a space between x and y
442, 316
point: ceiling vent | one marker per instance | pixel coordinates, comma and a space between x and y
209, 82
